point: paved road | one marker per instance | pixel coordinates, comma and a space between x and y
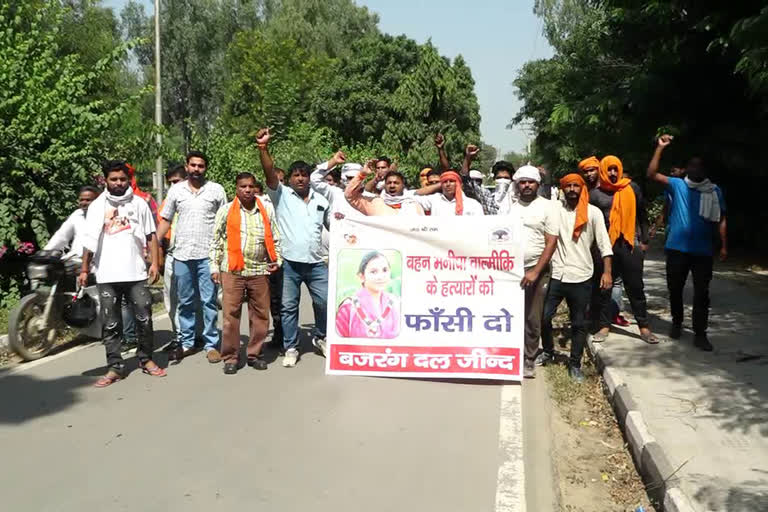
283, 440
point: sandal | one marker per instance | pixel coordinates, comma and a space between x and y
155, 371
599, 337
649, 338
108, 379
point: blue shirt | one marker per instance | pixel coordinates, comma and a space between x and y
688, 231
300, 224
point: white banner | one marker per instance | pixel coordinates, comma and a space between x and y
426, 297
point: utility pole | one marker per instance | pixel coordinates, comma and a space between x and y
159, 175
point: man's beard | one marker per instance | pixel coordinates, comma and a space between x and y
117, 191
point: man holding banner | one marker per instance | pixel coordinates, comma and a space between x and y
540, 225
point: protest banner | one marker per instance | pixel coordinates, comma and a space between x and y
429, 297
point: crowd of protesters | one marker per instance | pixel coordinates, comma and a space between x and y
586, 239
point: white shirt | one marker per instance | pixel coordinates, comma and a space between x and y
539, 218
120, 254
70, 234
335, 195
439, 205
572, 261
197, 212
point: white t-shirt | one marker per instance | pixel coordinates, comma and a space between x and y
539, 218
440, 206
120, 256
572, 261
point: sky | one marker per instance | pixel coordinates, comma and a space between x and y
496, 37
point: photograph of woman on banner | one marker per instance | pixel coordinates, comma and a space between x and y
372, 311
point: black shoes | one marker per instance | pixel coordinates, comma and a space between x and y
230, 368
701, 341
257, 364
675, 331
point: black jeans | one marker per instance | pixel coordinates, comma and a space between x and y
275, 305
111, 297
577, 297
628, 264
678, 266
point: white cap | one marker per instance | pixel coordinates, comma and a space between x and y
351, 170
527, 172
475, 175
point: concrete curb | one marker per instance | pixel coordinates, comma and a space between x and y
651, 461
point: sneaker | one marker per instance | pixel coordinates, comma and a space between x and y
701, 341
620, 321
320, 345
675, 331
545, 358
529, 368
213, 356
575, 374
290, 358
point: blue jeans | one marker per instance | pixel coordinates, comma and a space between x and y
193, 281
315, 276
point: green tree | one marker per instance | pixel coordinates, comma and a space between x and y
52, 135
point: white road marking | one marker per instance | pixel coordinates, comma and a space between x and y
21, 367
510, 484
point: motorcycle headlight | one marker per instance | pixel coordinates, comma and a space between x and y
37, 271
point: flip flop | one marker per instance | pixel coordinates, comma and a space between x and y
154, 372
599, 338
107, 380
650, 338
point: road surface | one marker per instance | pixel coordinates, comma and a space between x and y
285, 439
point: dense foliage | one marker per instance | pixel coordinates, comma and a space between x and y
625, 71
78, 88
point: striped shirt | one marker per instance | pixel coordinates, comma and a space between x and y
251, 241
197, 211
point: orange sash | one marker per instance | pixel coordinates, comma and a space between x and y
624, 207
582, 215
234, 251
454, 176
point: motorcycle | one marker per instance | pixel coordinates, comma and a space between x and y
41, 316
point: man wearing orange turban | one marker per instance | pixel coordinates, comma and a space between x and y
590, 171
621, 202
579, 226
450, 201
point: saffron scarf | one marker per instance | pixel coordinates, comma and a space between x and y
589, 163
454, 176
624, 207
582, 215
235, 259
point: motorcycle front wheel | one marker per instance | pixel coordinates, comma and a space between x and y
26, 336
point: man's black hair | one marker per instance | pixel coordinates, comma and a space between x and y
384, 158
433, 172
336, 174
114, 165
395, 173
503, 165
299, 165
176, 170
89, 188
197, 154
245, 175
259, 185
